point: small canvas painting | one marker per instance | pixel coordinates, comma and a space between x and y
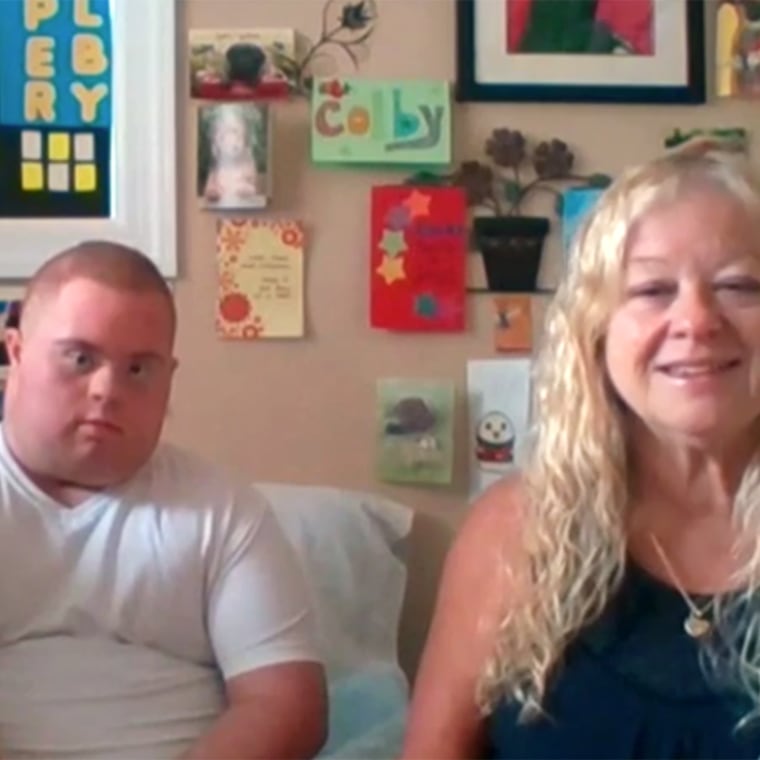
577, 203
498, 393
737, 49
242, 64
415, 431
234, 161
10, 312
513, 323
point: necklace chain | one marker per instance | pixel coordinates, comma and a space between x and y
695, 624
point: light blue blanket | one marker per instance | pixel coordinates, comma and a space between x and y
367, 714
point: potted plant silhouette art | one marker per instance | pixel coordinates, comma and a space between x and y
511, 242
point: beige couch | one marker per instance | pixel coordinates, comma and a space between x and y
373, 566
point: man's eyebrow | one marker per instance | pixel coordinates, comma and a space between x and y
149, 356
87, 346
75, 343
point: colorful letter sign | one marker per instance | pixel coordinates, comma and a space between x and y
55, 108
356, 121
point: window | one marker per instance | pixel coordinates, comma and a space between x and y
87, 128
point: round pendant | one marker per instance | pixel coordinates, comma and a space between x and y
696, 626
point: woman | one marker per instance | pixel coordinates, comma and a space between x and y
604, 603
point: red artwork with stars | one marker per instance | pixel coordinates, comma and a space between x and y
417, 268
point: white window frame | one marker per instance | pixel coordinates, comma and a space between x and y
143, 150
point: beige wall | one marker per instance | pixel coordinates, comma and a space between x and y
302, 411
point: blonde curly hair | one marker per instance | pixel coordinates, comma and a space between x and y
577, 474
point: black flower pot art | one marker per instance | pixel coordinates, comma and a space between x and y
511, 247
498, 190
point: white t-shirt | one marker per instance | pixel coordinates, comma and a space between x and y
120, 618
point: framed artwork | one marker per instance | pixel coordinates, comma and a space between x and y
737, 42
592, 51
87, 129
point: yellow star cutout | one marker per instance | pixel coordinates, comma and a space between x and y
418, 204
392, 269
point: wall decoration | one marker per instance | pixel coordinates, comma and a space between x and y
238, 64
358, 121
234, 155
498, 191
261, 277
417, 262
253, 64
55, 109
513, 323
737, 51
498, 393
10, 312
347, 28
577, 204
731, 139
635, 51
87, 128
415, 431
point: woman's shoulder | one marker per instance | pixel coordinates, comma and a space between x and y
496, 521
489, 551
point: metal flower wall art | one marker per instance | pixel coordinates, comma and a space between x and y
517, 171
346, 30
498, 190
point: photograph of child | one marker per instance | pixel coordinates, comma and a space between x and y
233, 156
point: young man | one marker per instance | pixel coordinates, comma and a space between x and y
149, 606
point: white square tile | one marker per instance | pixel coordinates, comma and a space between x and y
59, 178
84, 147
31, 145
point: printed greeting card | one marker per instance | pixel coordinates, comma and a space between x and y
417, 261
260, 265
415, 430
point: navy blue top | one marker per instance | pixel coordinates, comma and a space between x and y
631, 686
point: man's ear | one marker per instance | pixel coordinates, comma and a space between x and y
13, 344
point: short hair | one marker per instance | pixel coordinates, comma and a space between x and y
107, 262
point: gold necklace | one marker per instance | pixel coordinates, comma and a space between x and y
696, 625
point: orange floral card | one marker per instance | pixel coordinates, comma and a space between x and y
260, 264
513, 324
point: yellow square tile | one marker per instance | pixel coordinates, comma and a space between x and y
85, 178
32, 176
59, 146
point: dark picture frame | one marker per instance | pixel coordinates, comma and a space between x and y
544, 77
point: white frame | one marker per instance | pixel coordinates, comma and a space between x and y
143, 187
